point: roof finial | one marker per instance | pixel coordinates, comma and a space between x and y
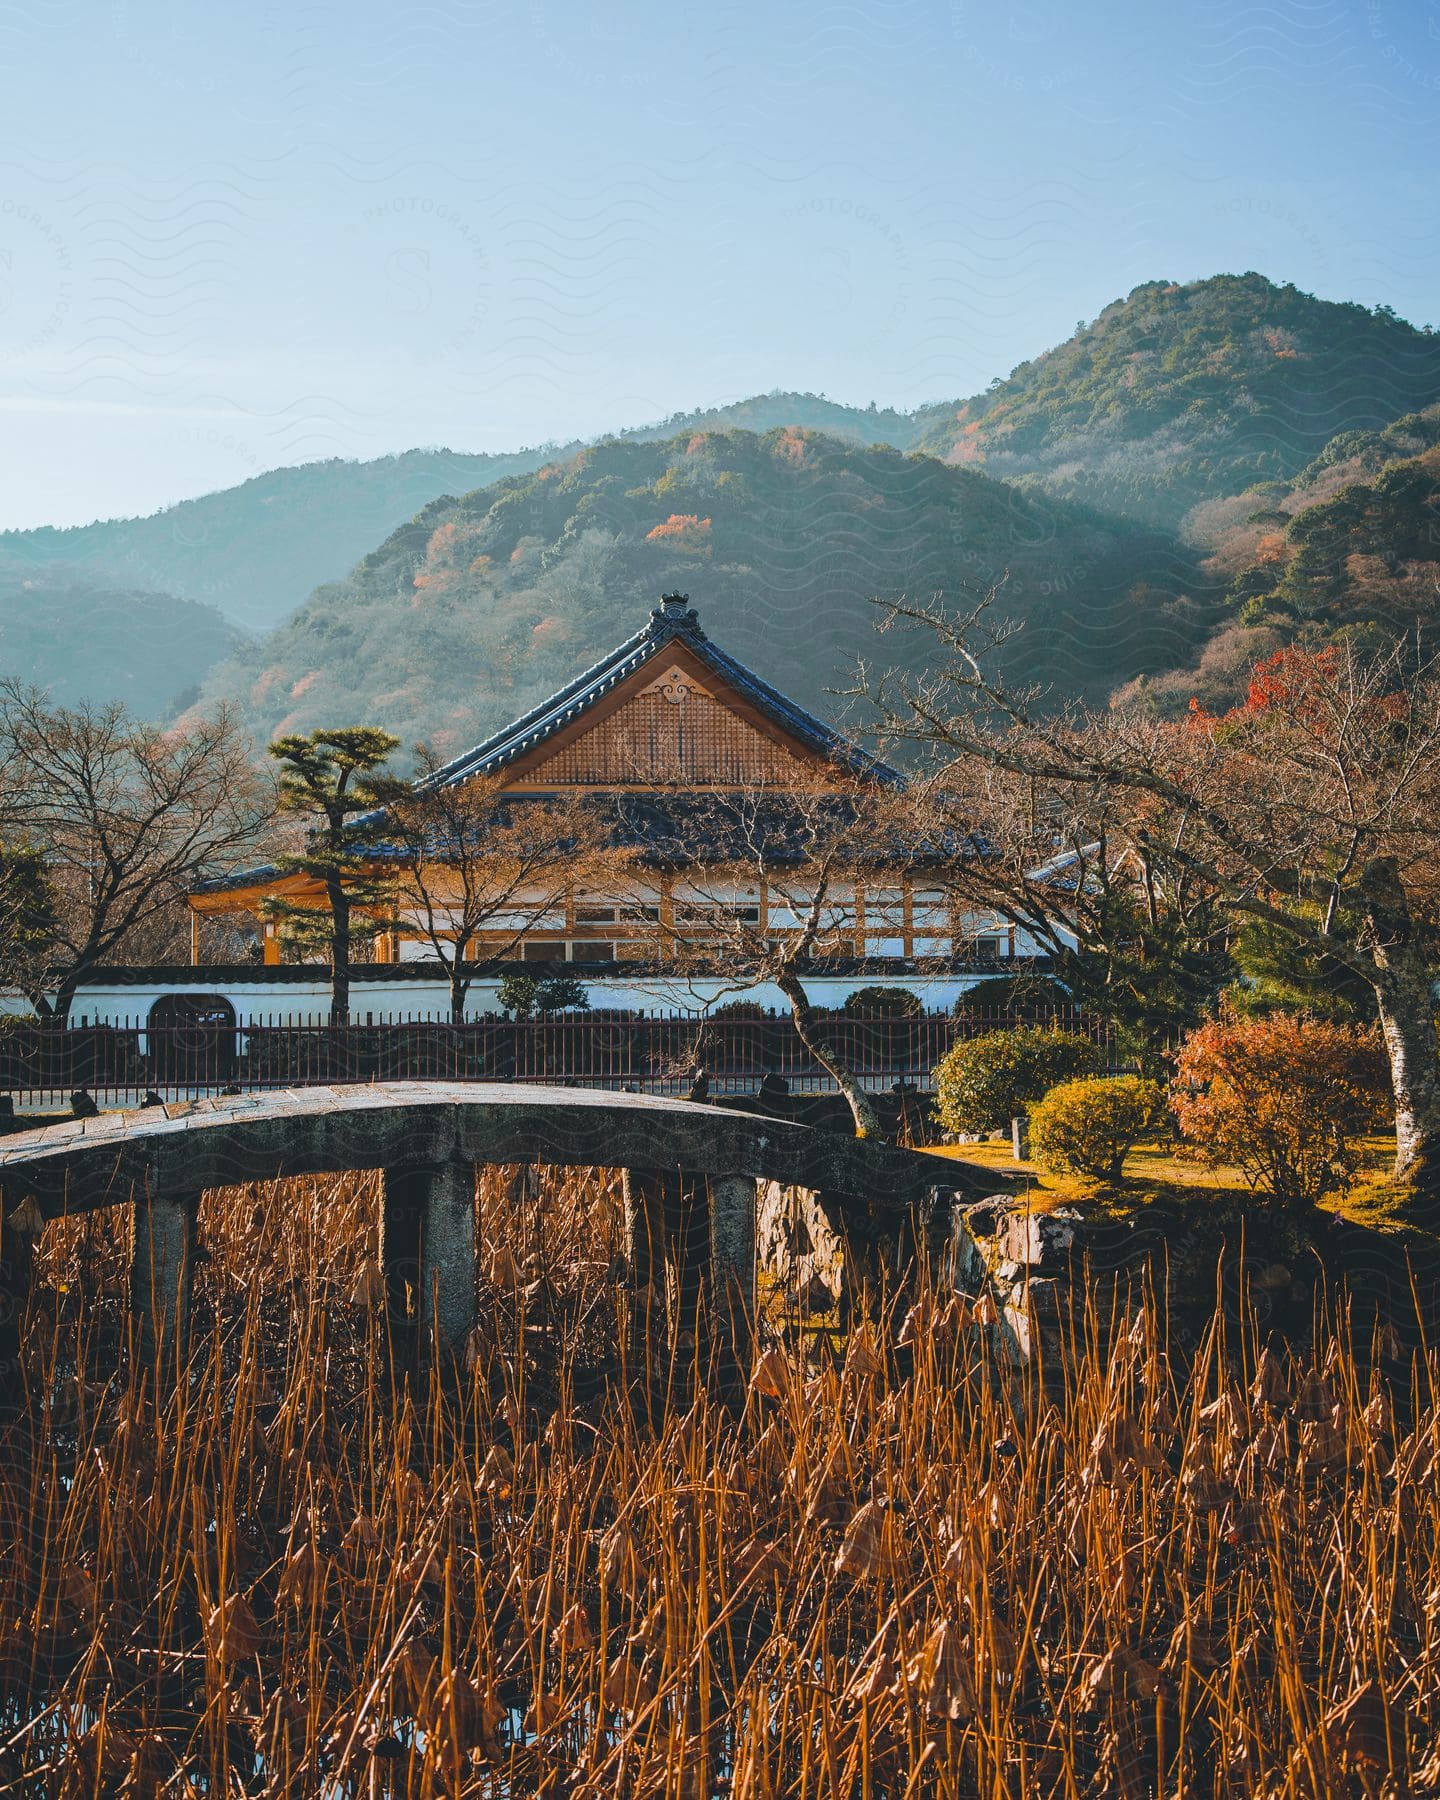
676, 611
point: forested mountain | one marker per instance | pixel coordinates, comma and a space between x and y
255, 551
1352, 544
1174, 395
1129, 479
1184, 392
482, 605
258, 550
89, 640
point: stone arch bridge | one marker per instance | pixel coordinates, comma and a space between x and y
712, 1165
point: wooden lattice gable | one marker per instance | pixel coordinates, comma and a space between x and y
680, 725
667, 705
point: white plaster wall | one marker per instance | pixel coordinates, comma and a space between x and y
410, 997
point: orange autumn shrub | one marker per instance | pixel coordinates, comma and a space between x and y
1284, 1099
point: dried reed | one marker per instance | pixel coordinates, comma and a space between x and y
899, 1570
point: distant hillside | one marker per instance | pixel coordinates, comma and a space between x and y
1180, 393
482, 605
1352, 544
86, 640
258, 550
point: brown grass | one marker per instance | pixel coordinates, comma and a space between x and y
905, 1571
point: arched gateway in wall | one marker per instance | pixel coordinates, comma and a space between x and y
428, 1138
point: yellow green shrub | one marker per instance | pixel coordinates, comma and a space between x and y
1087, 1127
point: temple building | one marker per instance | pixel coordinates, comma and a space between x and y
666, 713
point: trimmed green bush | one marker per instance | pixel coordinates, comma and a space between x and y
1087, 1127
741, 1009
882, 1003
1025, 996
987, 1081
526, 996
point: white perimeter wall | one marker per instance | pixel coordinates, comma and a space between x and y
409, 997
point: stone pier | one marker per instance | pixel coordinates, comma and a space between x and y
428, 1248
690, 1240
162, 1244
733, 1253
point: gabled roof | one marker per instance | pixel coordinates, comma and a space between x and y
674, 621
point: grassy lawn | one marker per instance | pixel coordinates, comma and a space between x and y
1158, 1172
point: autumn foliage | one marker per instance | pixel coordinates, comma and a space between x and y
1284, 1099
1292, 680
683, 531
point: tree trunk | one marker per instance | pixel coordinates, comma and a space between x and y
1404, 994
339, 954
460, 979
807, 1027
1407, 1020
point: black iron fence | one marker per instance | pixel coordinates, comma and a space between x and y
119, 1063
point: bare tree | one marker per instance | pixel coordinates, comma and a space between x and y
765, 894
126, 818
1130, 934
476, 863
1311, 810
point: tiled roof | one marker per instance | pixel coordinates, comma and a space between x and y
673, 621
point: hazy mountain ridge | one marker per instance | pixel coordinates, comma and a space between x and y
257, 551
85, 639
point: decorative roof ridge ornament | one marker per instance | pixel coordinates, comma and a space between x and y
676, 612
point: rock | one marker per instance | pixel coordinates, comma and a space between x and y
1046, 1298
982, 1216
1038, 1240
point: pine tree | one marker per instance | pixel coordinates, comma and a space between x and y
334, 779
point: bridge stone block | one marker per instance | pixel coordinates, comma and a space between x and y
162, 1247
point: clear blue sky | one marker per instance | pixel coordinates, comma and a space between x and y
239, 235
